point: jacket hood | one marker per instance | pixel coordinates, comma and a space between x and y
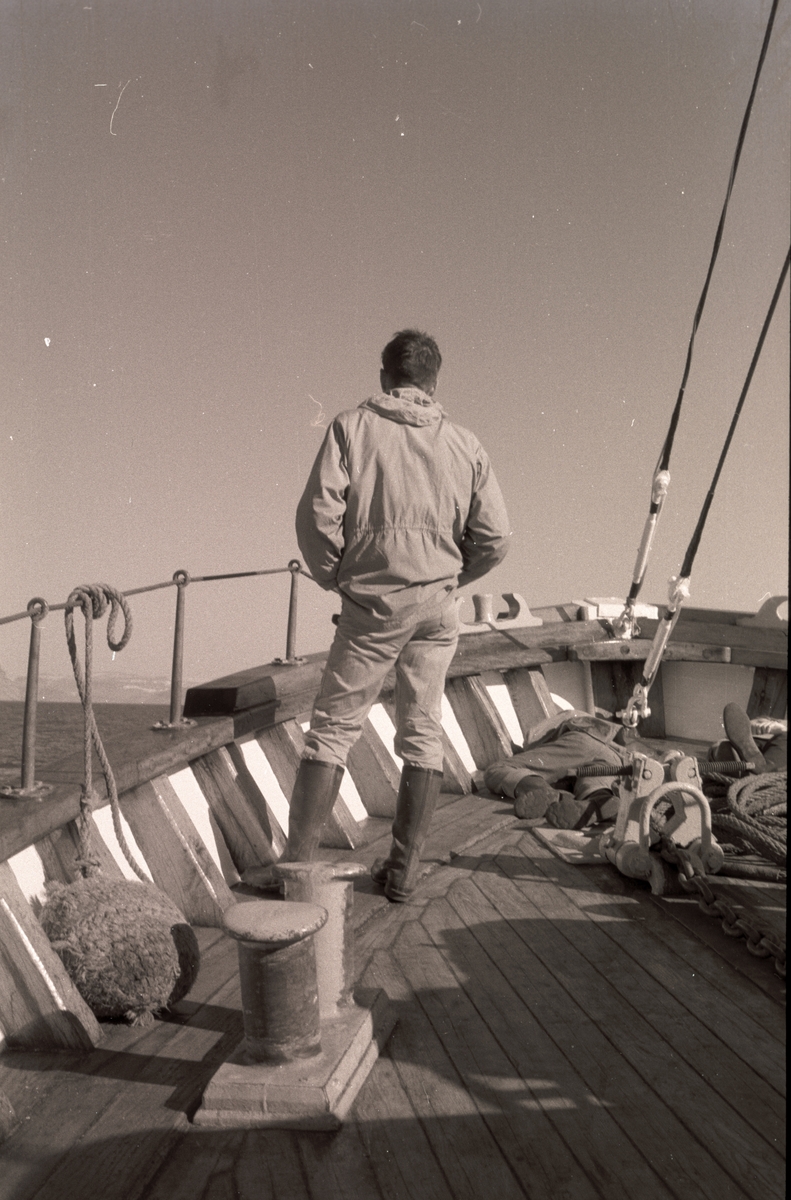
406, 406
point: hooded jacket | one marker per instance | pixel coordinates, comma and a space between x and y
400, 505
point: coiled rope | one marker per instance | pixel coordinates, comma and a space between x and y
749, 814
94, 600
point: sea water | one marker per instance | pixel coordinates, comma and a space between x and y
59, 731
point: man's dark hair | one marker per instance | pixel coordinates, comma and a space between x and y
412, 358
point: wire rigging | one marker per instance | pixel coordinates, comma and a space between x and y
637, 707
625, 626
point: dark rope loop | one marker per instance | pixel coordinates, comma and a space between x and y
94, 600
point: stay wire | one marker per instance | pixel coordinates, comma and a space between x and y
663, 462
664, 458
692, 549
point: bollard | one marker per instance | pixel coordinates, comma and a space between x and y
482, 603
277, 969
328, 884
308, 1046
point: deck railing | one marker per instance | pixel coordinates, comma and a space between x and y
38, 609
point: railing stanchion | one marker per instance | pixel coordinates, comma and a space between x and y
295, 566
38, 610
181, 579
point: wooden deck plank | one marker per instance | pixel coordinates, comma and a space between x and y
336, 1166
584, 1126
705, 1004
754, 1006
533, 959
468, 1134
685, 910
751, 1161
394, 1139
268, 1167
62, 1098
687, 1036
539, 1159
192, 1166
121, 1135
221, 1185
459, 1137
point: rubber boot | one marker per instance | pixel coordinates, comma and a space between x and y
532, 797
417, 799
315, 791
737, 727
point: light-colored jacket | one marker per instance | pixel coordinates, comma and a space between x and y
400, 505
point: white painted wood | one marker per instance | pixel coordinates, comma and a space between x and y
453, 730
567, 684
189, 793
501, 698
33, 955
259, 767
103, 819
29, 873
696, 693
382, 723
351, 796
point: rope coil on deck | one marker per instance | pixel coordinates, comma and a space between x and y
748, 801
94, 600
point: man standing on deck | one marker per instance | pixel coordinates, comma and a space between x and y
401, 509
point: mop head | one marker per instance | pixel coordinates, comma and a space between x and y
126, 947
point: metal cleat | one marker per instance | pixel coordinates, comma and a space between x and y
518, 615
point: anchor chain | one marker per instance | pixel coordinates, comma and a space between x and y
758, 941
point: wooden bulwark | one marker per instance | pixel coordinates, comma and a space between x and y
481, 723
39, 1006
178, 860
248, 820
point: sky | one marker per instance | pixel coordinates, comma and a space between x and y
215, 213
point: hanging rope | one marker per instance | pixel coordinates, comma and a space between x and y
625, 626
94, 600
637, 708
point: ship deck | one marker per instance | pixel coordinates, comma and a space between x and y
561, 1033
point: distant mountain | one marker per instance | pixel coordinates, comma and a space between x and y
107, 689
